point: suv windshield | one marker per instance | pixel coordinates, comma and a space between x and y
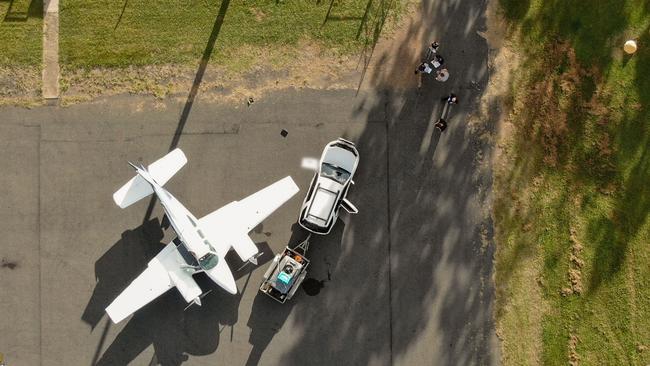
333, 172
208, 261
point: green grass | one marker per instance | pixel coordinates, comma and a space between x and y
21, 33
576, 175
137, 32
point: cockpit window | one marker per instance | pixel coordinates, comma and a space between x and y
208, 261
333, 172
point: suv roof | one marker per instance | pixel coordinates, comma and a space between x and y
322, 204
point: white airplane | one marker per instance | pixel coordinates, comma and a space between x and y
201, 244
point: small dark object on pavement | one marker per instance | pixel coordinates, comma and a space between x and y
8, 264
284, 133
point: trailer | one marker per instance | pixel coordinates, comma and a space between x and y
286, 272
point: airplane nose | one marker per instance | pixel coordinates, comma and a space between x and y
225, 282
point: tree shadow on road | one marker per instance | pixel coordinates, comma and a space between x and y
437, 303
198, 78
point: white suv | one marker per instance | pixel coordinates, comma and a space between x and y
329, 187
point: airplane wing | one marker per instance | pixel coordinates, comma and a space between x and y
232, 222
163, 272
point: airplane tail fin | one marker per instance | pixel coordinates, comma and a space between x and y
161, 171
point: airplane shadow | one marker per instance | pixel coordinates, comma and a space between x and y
174, 333
124, 261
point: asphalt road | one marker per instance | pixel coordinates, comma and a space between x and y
407, 281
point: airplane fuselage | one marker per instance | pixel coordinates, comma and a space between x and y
181, 219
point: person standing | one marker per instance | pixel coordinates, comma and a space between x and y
432, 50
441, 124
437, 61
424, 68
450, 99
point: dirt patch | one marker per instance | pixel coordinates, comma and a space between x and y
575, 266
259, 70
264, 70
520, 306
258, 14
21, 86
310, 67
574, 358
548, 99
391, 61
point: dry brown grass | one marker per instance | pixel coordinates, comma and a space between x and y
519, 302
20, 85
549, 100
574, 358
311, 66
259, 71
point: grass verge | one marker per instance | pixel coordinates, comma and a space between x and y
571, 186
134, 46
21, 33
97, 33
21, 38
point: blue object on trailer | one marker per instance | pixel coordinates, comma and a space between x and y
284, 277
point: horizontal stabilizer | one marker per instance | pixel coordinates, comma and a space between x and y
164, 168
161, 171
133, 191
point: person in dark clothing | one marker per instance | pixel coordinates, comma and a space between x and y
424, 68
433, 49
441, 124
438, 61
